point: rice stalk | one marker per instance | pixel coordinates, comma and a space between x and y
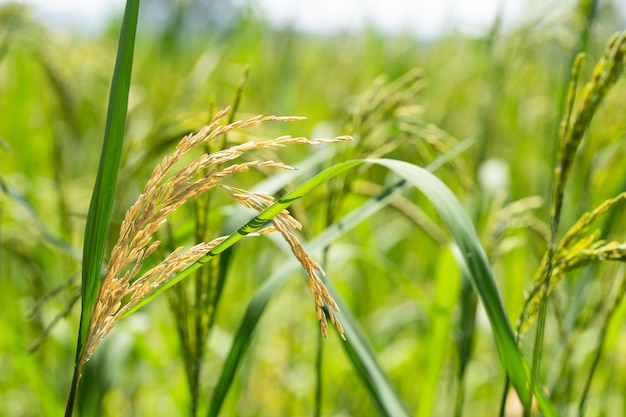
576, 120
194, 302
123, 287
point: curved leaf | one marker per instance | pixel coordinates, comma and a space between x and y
481, 276
354, 342
464, 235
261, 219
357, 348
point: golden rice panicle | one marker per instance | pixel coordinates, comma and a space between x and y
283, 223
122, 287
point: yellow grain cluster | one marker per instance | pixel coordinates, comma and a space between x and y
122, 288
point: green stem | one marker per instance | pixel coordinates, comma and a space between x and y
317, 410
505, 391
69, 408
587, 9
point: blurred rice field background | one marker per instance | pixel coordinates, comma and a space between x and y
499, 95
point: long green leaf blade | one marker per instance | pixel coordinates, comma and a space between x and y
256, 307
101, 204
357, 348
99, 215
482, 278
464, 236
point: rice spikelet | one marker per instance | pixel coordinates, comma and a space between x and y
122, 289
282, 223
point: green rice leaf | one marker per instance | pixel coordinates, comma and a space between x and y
100, 207
99, 215
481, 275
257, 305
447, 289
366, 366
363, 358
464, 235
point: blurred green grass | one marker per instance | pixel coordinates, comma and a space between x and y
506, 88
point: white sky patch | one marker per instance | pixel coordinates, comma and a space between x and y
424, 18
88, 15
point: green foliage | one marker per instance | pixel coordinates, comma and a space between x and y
239, 337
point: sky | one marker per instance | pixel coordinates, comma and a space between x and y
425, 18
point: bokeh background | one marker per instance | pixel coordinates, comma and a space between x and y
495, 73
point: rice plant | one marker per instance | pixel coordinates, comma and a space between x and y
123, 289
444, 290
